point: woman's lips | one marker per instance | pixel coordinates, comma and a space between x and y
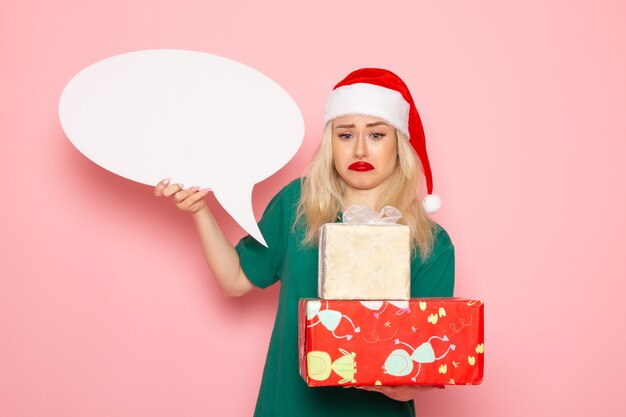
361, 166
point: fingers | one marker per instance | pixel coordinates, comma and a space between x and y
370, 388
180, 195
186, 200
190, 197
387, 389
165, 189
172, 189
158, 190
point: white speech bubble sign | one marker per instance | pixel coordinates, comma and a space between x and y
198, 118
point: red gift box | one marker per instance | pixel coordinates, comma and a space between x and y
423, 341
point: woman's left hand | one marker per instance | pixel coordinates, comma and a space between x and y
400, 392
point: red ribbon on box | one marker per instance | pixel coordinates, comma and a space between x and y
425, 341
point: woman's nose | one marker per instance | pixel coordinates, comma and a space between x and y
360, 148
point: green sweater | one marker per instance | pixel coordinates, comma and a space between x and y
283, 392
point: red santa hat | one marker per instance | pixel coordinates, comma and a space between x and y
381, 93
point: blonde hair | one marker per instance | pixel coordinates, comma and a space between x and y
322, 194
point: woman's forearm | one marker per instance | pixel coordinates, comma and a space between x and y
220, 255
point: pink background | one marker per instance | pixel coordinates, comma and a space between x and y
107, 307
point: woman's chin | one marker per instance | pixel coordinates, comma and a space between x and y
361, 183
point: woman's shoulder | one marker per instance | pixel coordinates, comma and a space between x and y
442, 246
290, 192
288, 196
293, 188
441, 239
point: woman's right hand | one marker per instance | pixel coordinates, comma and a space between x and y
190, 200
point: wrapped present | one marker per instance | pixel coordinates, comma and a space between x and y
367, 257
428, 341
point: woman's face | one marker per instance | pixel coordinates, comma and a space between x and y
365, 150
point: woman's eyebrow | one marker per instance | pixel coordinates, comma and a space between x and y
367, 125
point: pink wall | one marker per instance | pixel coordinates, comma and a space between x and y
107, 308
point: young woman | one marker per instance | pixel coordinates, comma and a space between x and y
372, 154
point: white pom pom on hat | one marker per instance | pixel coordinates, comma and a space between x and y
432, 203
381, 93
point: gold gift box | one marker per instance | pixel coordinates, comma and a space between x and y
364, 262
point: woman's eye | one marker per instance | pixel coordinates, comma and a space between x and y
345, 136
377, 136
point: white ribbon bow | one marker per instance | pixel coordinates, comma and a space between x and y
365, 215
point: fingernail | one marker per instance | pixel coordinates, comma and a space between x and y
181, 186
194, 189
205, 190
166, 180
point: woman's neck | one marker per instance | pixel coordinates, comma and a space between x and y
354, 196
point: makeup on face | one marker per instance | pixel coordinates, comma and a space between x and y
361, 166
364, 151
